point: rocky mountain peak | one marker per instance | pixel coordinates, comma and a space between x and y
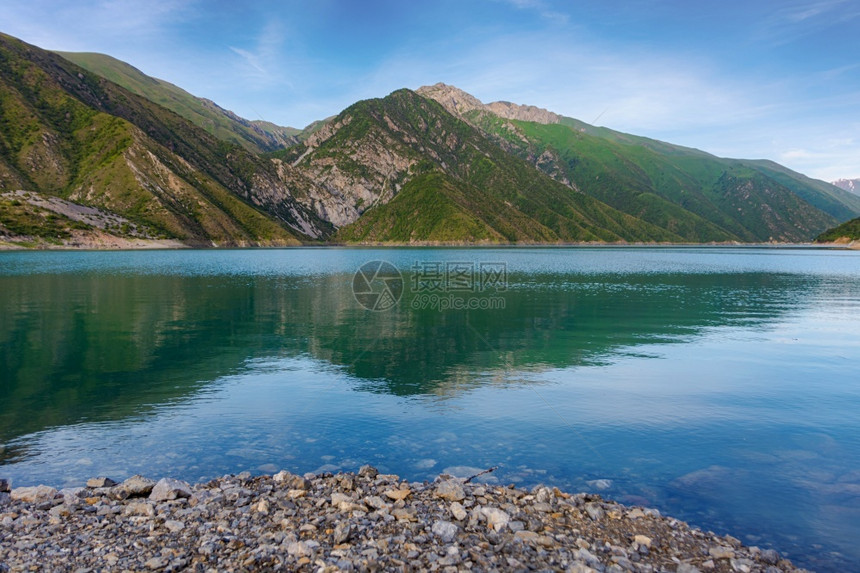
510, 110
458, 102
453, 99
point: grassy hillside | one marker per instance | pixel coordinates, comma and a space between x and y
70, 133
435, 163
848, 231
695, 195
252, 135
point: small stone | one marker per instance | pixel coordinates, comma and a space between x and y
174, 526
769, 556
135, 486
34, 494
397, 494
5, 499
156, 563
709, 564
342, 533
594, 511
526, 535
300, 549
445, 530
497, 519
687, 568
368, 472
635, 513
297, 482
458, 511
142, 508
721, 552
98, 482
5, 486
169, 489
405, 514
450, 489
375, 502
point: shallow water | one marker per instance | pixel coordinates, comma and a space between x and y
720, 385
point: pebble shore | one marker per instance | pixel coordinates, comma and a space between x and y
362, 521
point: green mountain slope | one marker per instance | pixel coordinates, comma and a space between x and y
837, 202
394, 166
69, 133
689, 192
223, 124
844, 233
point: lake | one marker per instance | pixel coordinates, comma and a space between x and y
720, 385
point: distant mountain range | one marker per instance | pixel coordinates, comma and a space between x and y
850, 185
86, 133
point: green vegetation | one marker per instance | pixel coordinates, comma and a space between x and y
102, 133
691, 193
18, 218
254, 136
456, 172
848, 231
70, 133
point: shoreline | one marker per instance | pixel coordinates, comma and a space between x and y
363, 521
121, 244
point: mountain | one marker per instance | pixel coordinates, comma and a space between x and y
850, 185
844, 233
82, 156
68, 133
403, 169
254, 136
693, 194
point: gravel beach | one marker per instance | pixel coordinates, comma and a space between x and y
362, 521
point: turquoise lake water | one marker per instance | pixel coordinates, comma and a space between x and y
720, 385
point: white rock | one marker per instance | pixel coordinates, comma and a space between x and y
445, 530
450, 489
168, 488
721, 552
174, 526
496, 518
299, 549
458, 511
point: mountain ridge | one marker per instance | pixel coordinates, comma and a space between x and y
254, 135
703, 197
434, 165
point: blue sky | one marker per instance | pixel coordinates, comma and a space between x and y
755, 79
